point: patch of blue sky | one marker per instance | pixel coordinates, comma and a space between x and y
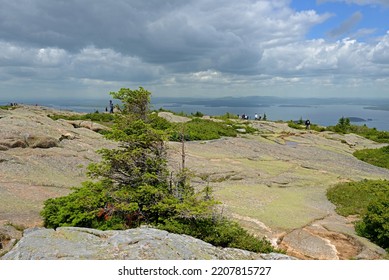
365, 21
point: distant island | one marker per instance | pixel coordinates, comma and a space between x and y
379, 108
295, 106
356, 119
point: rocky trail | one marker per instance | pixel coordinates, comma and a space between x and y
274, 183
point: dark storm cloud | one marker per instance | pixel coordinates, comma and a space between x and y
181, 35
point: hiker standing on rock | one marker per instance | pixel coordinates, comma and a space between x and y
308, 124
111, 107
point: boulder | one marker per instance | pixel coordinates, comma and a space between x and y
8, 237
173, 118
88, 125
134, 244
41, 141
41, 158
12, 142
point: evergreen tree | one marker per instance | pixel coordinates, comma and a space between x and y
132, 185
343, 125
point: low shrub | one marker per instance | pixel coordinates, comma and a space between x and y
369, 199
352, 198
298, 125
199, 129
197, 114
79, 208
373, 134
227, 116
375, 222
96, 117
159, 123
219, 232
295, 125
377, 157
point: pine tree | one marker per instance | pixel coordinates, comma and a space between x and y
134, 185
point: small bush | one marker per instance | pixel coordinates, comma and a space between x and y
159, 123
197, 114
294, 125
377, 157
375, 222
79, 208
219, 232
368, 199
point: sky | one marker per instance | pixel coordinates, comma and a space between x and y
70, 49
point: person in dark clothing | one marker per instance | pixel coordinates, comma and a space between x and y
111, 107
307, 124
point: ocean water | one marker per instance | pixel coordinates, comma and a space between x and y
325, 115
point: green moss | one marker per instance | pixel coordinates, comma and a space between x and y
270, 166
282, 208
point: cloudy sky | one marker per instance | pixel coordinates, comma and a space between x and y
85, 49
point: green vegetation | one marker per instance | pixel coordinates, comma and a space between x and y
227, 116
221, 232
368, 199
133, 185
299, 125
196, 129
197, 114
344, 126
8, 107
375, 222
377, 157
353, 197
199, 129
95, 117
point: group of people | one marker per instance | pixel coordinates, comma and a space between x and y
243, 116
246, 117
259, 117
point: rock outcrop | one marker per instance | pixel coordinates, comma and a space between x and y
133, 244
41, 158
274, 183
